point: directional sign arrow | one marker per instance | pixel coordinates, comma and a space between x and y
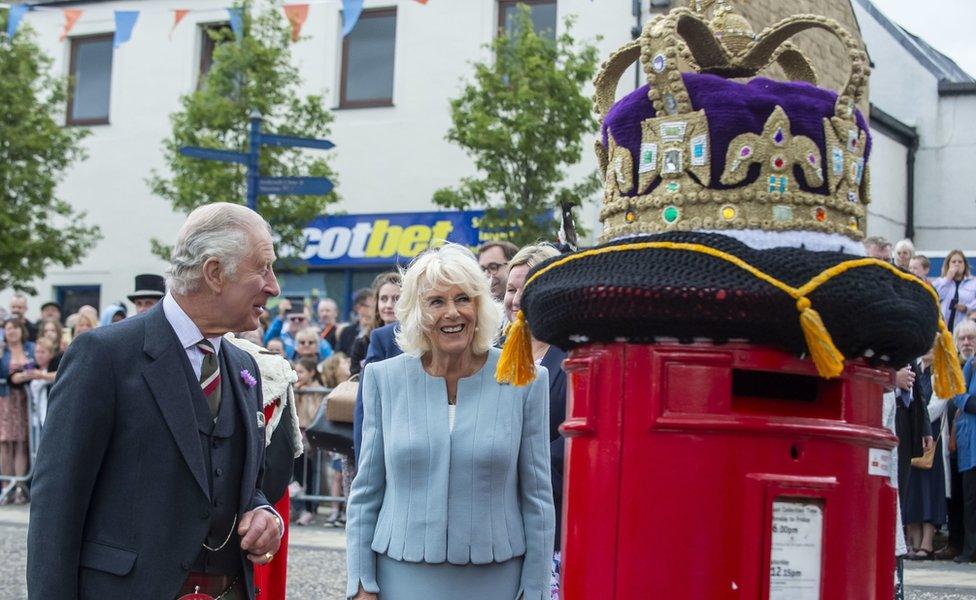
294, 186
211, 154
289, 141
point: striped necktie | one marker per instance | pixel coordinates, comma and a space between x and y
210, 376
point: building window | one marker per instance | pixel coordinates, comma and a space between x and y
543, 16
211, 36
73, 297
367, 61
91, 80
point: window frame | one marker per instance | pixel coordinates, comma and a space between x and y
502, 4
70, 120
344, 70
206, 58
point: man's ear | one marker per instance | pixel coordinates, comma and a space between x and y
214, 278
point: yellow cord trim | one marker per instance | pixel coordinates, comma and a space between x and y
827, 358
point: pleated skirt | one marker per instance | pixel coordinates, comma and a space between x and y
401, 580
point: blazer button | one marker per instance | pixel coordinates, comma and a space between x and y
205, 514
219, 471
185, 565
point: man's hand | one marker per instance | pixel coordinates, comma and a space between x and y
927, 443
260, 536
962, 307
905, 378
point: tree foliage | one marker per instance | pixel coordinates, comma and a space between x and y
522, 119
40, 229
254, 73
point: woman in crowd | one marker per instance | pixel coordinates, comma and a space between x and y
903, 253
308, 398
956, 288
40, 379
551, 358
82, 323
386, 292
335, 370
453, 494
926, 490
52, 330
18, 355
307, 346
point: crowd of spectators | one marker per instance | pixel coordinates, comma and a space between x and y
936, 456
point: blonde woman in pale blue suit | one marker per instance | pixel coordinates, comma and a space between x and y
453, 498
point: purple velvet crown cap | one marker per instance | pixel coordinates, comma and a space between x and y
733, 108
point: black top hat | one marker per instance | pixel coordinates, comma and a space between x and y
148, 286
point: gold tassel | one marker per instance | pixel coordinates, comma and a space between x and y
516, 365
948, 379
825, 355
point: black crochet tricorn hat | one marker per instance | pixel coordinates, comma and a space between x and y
733, 211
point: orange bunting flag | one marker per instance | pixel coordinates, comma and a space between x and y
178, 15
71, 16
422, 1
296, 14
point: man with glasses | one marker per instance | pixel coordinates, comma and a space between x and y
493, 258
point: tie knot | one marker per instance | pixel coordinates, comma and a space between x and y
206, 347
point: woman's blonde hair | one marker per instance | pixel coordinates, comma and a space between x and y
532, 256
438, 268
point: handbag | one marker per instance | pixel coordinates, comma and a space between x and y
928, 457
329, 435
341, 401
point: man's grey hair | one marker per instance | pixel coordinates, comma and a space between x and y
219, 230
18, 295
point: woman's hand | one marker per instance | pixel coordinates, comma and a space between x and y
364, 595
962, 307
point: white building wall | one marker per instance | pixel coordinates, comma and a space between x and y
889, 184
388, 159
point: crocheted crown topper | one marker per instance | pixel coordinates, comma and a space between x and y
695, 149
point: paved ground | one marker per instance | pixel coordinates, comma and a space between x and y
317, 568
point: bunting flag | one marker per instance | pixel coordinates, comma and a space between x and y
178, 15
125, 21
236, 21
351, 10
296, 14
71, 16
17, 12
422, 1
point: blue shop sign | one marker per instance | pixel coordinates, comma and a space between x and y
387, 238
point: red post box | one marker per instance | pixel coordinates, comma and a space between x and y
733, 471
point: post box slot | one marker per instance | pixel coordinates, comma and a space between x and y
784, 394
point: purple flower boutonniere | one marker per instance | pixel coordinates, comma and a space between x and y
248, 379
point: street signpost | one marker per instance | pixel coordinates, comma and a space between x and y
267, 186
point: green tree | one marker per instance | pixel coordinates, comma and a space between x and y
253, 73
523, 120
39, 229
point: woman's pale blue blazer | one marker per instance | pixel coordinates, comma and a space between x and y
423, 494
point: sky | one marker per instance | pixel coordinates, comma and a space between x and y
949, 26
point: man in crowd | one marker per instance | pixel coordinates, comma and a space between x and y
18, 309
493, 258
287, 325
150, 289
964, 336
146, 483
878, 247
328, 314
362, 304
51, 311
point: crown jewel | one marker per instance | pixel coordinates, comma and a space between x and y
695, 149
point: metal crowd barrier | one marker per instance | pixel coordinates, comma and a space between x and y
315, 466
35, 416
